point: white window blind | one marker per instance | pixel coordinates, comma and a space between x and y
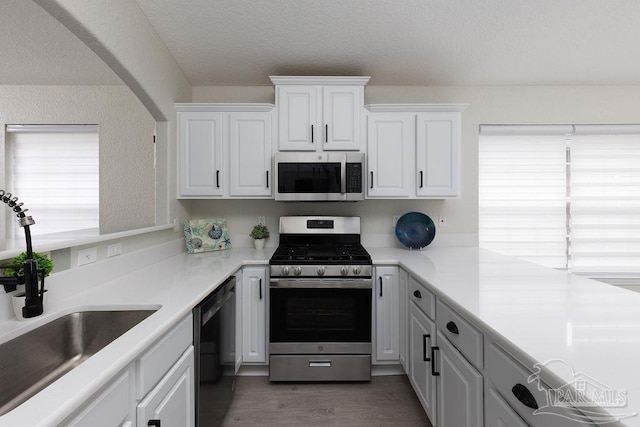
531, 176
55, 173
522, 193
605, 199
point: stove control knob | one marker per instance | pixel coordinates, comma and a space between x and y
297, 271
320, 271
357, 270
284, 271
344, 271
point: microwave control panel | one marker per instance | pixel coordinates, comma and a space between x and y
354, 177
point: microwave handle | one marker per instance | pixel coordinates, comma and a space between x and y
343, 175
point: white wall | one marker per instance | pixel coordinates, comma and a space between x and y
488, 105
127, 174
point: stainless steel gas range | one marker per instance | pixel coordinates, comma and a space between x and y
320, 301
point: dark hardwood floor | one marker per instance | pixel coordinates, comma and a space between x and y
385, 401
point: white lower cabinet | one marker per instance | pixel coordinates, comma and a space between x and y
498, 413
387, 308
111, 407
460, 394
422, 334
171, 402
254, 305
403, 288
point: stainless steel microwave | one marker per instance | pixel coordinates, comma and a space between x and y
327, 176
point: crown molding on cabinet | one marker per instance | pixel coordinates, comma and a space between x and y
224, 107
320, 80
413, 108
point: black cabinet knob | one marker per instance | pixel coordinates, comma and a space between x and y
154, 423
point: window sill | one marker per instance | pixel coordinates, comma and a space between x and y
52, 242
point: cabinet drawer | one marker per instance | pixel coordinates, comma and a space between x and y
423, 298
464, 336
110, 407
509, 377
152, 365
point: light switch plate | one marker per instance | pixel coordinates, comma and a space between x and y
87, 256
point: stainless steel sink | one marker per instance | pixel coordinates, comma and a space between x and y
32, 361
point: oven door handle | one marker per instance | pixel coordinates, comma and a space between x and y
343, 175
320, 283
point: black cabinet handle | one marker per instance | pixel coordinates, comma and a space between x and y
154, 423
260, 288
312, 134
417, 294
453, 328
380, 286
218, 179
267, 179
371, 178
424, 347
524, 395
421, 176
433, 361
326, 133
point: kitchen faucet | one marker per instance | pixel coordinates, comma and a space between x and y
33, 296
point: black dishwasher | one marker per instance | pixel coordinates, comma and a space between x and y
214, 340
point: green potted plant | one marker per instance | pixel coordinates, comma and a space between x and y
259, 233
14, 267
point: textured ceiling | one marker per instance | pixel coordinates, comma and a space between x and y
397, 42
404, 42
36, 49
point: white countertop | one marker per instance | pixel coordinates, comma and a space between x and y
542, 313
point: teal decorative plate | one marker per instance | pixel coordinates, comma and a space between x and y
415, 230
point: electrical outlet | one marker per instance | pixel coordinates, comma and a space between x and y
442, 220
114, 249
395, 220
262, 220
176, 226
87, 256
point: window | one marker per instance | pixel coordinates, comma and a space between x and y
562, 196
54, 171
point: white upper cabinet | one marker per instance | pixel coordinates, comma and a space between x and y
438, 154
319, 113
225, 150
390, 148
250, 154
200, 147
414, 150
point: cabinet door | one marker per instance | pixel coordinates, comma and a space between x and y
254, 317
341, 111
460, 400
499, 413
403, 286
172, 400
298, 118
390, 142
250, 154
110, 408
438, 154
422, 335
387, 314
200, 141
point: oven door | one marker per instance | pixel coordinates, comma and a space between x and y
320, 311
